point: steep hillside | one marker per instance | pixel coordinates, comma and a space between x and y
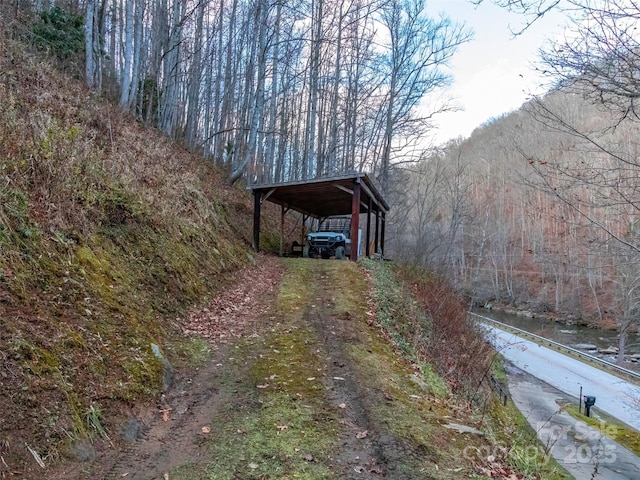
536, 210
108, 232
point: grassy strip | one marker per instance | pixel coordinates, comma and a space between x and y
509, 441
610, 427
279, 424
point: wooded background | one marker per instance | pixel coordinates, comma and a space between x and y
539, 208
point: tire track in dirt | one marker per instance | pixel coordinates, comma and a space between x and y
173, 432
367, 450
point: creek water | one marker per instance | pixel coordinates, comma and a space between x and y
575, 336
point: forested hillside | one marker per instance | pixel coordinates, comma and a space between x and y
271, 90
108, 233
538, 210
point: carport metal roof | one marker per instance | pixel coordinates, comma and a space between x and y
324, 197
321, 198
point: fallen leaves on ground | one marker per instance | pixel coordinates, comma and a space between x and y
499, 470
230, 314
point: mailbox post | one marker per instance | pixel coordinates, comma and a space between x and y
589, 402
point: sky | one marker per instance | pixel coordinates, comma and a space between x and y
493, 73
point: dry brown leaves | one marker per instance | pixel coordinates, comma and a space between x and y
236, 312
495, 469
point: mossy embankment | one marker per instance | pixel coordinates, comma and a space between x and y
108, 232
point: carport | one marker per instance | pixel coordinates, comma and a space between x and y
321, 198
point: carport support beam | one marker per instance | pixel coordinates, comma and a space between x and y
368, 248
282, 212
377, 232
257, 203
355, 219
384, 226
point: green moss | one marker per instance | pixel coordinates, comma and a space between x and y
88, 260
294, 294
143, 376
397, 312
270, 242
38, 360
283, 418
259, 445
190, 352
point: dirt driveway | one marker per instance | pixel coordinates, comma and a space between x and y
300, 384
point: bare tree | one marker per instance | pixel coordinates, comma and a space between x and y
627, 295
256, 99
417, 49
91, 46
127, 72
432, 213
531, 10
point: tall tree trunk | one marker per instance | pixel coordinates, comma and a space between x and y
195, 80
169, 108
230, 74
90, 58
309, 154
136, 76
270, 154
257, 109
332, 151
127, 72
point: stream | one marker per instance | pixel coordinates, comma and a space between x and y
595, 341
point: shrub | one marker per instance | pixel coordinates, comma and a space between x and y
60, 32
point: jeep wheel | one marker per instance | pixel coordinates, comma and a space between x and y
340, 253
305, 251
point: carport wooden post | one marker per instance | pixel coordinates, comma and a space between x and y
368, 249
355, 219
303, 228
377, 232
383, 222
257, 202
282, 212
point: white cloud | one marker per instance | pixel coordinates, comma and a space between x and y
493, 73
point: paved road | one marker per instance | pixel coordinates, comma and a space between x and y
540, 379
614, 396
583, 451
